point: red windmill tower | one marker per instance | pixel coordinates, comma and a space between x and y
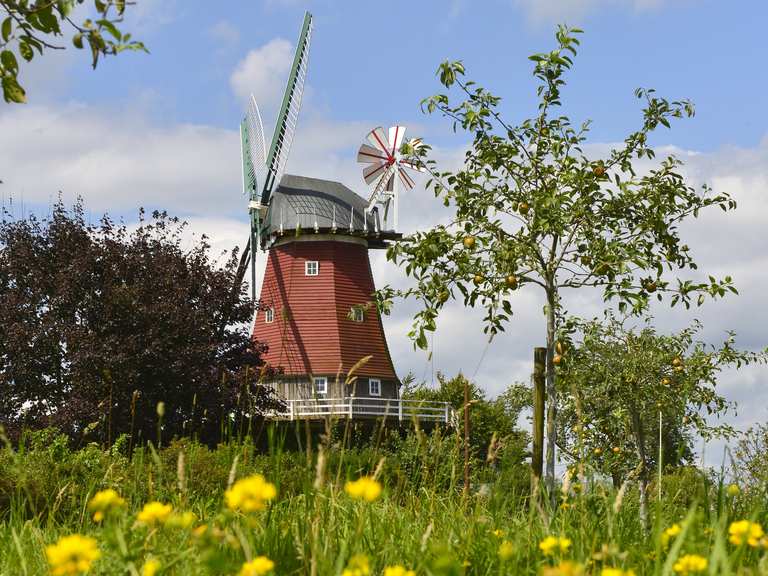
315, 312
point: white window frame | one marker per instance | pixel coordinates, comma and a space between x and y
316, 388
311, 268
370, 386
357, 314
269, 315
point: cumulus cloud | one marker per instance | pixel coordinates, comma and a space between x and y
263, 72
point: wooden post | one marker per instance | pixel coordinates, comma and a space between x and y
537, 454
466, 437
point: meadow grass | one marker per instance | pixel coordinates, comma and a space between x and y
318, 523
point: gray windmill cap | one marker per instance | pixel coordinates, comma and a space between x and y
306, 203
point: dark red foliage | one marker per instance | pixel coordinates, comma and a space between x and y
99, 323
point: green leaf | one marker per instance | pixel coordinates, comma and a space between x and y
111, 28
77, 40
8, 60
12, 91
6, 29
26, 51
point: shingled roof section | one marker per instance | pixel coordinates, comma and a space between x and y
307, 203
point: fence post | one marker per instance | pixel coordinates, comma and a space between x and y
446, 413
537, 454
400, 409
290, 412
351, 399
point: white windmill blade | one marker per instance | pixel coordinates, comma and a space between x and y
369, 154
384, 184
412, 165
395, 140
374, 171
256, 141
405, 178
379, 140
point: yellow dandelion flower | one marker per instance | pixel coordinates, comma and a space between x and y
154, 513
150, 567
552, 544
506, 550
250, 494
183, 520
566, 568
358, 566
105, 502
72, 555
610, 571
257, 567
398, 570
745, 531
670, 534
733, 490
499, 533
690, 564
364, 488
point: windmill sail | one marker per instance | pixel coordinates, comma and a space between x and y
285, 127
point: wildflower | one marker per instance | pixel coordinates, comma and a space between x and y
398, 571
104, 502
72, 555
257, 567
250, 494
552, 544
150, 567
183, 520
358, 566
609, 571
154, 513
506, 549
690, 564
670, 533
566, 568
364, 488
733, 490
499, 533
200, 530
745, 531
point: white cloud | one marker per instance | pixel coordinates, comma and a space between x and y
263, 72
571, 11
226, 33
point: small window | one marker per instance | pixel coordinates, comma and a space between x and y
311, 268
321, 385
374, 387
357, 314
269, 315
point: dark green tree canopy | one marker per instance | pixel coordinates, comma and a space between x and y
99, 323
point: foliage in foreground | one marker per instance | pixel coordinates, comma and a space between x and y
355, 511
99, 323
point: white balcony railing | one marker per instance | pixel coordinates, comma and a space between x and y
364, 407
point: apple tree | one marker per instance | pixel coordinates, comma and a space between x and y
30, 27
619, 382
531, 209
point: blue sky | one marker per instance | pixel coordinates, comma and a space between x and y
373, 60
160, 130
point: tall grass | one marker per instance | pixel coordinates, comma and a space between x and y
421, 521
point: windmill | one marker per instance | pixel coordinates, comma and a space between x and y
386, 170
262, 170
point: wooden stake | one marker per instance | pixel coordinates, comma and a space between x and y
537, 454
466, 437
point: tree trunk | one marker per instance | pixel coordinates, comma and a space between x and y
642, 478
551, 394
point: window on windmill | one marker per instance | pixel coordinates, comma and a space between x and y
269, 315
358, 315
311, 268
374, 387
320, 385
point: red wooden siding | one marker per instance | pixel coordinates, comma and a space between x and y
311, 332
